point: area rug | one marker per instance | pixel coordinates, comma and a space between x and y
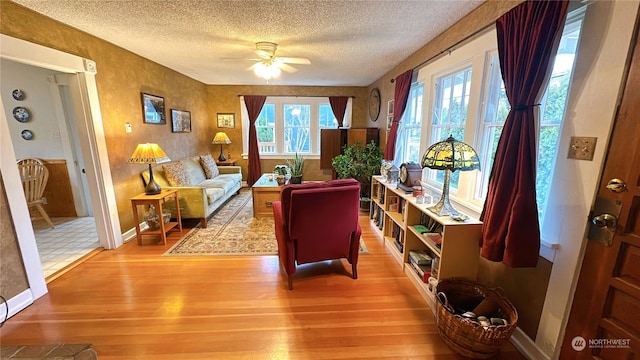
233, 230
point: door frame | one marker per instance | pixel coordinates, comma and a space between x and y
86, 108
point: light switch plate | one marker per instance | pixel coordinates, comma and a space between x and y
582, 148
127, 128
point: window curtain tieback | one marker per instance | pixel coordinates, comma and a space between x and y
523, 107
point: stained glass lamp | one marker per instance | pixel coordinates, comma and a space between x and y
449, 155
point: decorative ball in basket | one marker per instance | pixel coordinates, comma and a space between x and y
473, 320
152, 218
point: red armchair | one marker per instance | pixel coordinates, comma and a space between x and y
316, 222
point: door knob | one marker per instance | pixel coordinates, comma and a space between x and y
605, 221
616, 185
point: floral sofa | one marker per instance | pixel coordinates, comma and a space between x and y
202, 186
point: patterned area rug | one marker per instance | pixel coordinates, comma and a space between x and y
232, 230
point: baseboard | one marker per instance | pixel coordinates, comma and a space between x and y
526, 346
131, 233
16, 303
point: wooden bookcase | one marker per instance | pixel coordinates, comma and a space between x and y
395, 213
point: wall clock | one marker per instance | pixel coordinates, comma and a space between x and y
374, 104
410, 175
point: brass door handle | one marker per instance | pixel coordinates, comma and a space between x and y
605, 221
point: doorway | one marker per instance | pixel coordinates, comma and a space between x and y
86, 109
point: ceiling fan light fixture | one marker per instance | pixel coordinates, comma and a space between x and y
267, 70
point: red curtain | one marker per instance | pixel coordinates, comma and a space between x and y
339, 106
403, 84
254, 104
528, 36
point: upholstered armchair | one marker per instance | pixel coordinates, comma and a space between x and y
316, 222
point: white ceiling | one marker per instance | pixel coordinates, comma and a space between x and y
349, 43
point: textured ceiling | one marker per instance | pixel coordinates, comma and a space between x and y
349, 43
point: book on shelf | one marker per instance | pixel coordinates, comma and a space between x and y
435, 238
423, 273
420, 257
399, 245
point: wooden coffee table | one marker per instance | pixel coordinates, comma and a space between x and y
265, 192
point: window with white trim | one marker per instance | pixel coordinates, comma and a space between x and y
410, 129
289, 125
465, 97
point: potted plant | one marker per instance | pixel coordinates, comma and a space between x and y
283, 173
361, 163
296, 168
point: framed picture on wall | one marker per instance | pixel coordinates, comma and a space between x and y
153, 109
390, 107
226, 120
389, 121
180, 121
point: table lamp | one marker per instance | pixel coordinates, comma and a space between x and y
149, 154
222, 139
449, 155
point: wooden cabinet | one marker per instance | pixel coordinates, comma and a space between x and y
453, 245
333, 140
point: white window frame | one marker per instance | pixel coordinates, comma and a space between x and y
471, 55
415, 106
279, 102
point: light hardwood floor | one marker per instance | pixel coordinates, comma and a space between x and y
133, 303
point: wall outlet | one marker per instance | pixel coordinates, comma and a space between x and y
127, 128
582, 148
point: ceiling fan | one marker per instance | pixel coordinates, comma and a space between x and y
268, 65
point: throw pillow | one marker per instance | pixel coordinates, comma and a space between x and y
176, 174
209, 166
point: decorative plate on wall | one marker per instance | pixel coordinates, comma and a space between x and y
27, 134
21, 114
18, 94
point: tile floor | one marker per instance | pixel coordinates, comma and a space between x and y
71, 239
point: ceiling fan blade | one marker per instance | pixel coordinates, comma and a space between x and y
240, 59
287, 68
292, 60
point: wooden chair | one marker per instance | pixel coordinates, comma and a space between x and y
34, 177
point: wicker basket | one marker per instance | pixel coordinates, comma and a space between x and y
465, 336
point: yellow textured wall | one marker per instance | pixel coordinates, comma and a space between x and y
224, 99
13, 277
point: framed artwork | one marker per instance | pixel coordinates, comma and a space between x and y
390, 107
153, 109
180, 121
389, 121
226, 120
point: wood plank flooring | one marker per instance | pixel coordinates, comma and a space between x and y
133, 303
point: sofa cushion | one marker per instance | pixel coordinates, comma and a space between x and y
209, 166
226, 182
176, 174
194, 170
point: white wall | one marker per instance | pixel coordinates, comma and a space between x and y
595, 90
36, 83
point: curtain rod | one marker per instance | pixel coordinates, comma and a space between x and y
325, 96
450, 48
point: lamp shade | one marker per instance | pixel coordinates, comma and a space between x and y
221, 138
451, 154
148, 154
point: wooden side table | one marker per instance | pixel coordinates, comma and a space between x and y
157, 201
226, 163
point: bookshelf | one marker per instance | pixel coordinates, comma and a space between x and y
453, 246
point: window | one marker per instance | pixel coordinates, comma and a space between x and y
466, 98
289, 125
408, 140
450, 114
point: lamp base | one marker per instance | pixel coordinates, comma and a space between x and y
222, 157
444, 207
152, 187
